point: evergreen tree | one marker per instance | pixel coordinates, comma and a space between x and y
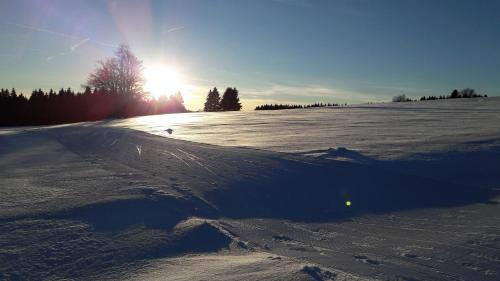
213, 101
230, 100
22, 99
52, 94
13, 94
87, 91
4, 94
69, 92
177, 97
178, 102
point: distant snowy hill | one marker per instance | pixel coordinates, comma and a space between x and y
384, 130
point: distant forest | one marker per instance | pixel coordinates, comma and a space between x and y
292, 106
66, 106
464, 93
113, 90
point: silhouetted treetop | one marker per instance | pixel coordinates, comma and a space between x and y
293, 106
67, 106
401, 98
121, 74
213, 101
464, 93
230, 100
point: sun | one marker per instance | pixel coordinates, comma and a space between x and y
162, 80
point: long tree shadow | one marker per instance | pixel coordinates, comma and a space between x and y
296, 187
479, 168
336, 190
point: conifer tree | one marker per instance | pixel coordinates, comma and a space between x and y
213, 101
230, 100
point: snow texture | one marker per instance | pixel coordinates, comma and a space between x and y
97, 201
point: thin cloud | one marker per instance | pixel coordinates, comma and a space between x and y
72, 49
43, 30
58, 55
77, 45
61, 34
305, 93
389, 88
174, 29
401, 88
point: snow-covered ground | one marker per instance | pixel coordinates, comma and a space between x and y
393, 199
381, 130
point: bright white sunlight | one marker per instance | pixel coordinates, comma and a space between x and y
163, 80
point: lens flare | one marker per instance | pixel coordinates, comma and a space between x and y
162, 80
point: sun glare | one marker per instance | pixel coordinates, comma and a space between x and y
162, 80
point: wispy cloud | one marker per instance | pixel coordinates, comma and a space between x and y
43, 30
77, 45
173, 29
72, 49
49, 58
406, 89
305, 93
391, 87
81, 40
61, 34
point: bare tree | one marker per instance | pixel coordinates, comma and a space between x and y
122, 74
468, 93
400, 98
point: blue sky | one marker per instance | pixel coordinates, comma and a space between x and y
272, 51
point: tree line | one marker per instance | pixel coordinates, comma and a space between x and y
229, 101
292, 106
67, 106
113, 90
464, 93
401, 98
